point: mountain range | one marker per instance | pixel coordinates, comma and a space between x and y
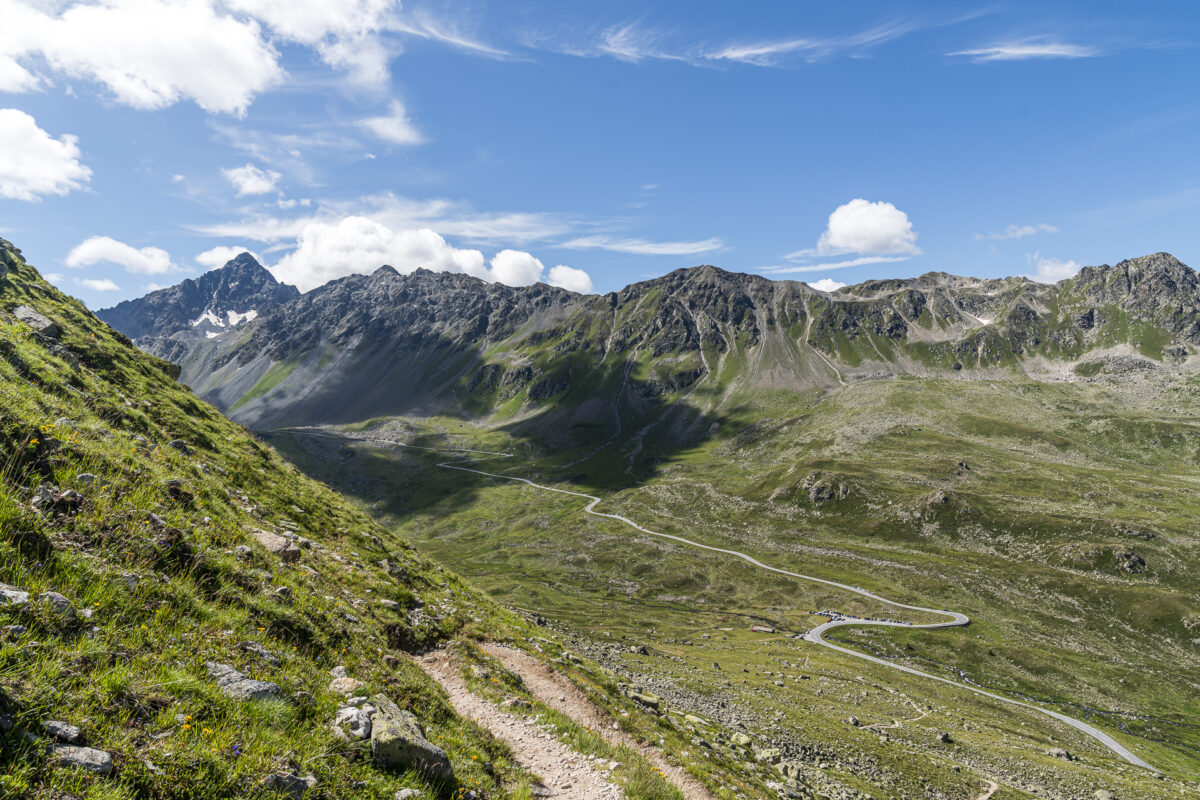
386, 344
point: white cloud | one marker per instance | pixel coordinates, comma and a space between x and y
394, 127
357, 245
850, 262
326, 251
55, 277
312, 21
1019, 231
643, 247
249, 179
98, 284
148, 53
1050, 270
221, 255
571, 279
33, 163
1024, 49
515, 268
146, 260
827, 285
866, 228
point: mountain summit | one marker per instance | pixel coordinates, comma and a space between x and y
204, 307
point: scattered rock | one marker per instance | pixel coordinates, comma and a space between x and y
180, 445
853, 720
944, 738
353, 723
397, 740
639, 650
37, 322
290, 784
339, 671
1103, 794
243, 552
1058, 752
236, 685
88, 758
1130, 561
407, 794
63, 732
768, 755
346, 686
262, 652
60, 605
11, 596
276, 544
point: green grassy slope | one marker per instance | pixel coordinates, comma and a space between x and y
146, 535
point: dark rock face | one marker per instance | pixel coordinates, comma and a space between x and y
214, 302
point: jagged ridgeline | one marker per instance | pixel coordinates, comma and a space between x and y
681, 350
184, 615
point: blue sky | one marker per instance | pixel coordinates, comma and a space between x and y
593, 145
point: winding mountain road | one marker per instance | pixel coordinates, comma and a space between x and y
816, 635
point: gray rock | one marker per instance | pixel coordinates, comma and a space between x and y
262, 652
853, 720
276, 544
85, 478
15, 630
242, 551
346, 686
180, 445
88, 758
289, 783
1103, 794
1059, 752
944, 737
11, 596
352, 723
60, 604
37, 322
6, 723
236, 685
63, 731
397, 741
338, 672
407, 794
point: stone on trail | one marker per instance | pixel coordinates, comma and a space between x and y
88, 758
236, 685
397, 741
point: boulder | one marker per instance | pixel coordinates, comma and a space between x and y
276, 544
397, 741
236, 685
88, 758
768, 755
1059, 752
180, 445
37, 322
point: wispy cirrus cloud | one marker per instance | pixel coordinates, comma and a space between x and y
1038, 47
642, 247
1018, 231
850, 262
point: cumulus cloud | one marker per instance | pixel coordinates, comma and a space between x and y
34, 163
98, 284
571, 279
1018, 231
515, 268
1050, 270
326, 251
394, 127
221, 255
148, 53
98, 249
865, 228
249, 179
827, 285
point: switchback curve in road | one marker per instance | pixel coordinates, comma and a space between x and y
816, 635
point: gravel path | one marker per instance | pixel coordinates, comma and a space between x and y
556, 691
566, 774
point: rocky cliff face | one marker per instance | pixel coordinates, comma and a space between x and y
676, 349
207, 306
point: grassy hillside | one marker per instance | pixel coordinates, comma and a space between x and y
1058, 515
144, 539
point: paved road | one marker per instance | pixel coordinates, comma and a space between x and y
815, 635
